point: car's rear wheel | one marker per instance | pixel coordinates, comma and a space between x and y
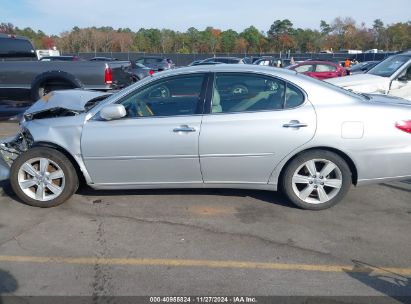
43, 177
316, 180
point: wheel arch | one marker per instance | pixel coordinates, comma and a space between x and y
50, 76
74, 162
343, 155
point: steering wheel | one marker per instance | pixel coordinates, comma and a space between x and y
239, 90
161, 91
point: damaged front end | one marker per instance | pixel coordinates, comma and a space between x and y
11, 148
50, 108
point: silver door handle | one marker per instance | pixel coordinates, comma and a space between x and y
295, 124
184, 128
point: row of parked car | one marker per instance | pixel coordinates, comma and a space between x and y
320, 69
104, 73
391, 76
139, 69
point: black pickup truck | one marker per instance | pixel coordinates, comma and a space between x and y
24, 78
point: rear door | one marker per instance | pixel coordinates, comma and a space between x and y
253, 123
324, 71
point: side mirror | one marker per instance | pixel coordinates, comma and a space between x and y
403, 78
113, 111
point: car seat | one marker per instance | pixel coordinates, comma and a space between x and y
216, 102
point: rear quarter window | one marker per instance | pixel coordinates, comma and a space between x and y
293, 97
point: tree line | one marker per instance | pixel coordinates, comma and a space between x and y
282, 36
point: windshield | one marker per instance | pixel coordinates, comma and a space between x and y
389, 66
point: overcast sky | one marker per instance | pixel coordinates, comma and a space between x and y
56, 16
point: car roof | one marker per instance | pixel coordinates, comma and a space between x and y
318, 62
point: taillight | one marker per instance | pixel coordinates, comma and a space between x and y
404, 125
151, 72
108, 75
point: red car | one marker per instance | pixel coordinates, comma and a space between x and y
319, 69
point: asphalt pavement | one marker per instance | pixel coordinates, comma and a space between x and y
207, 242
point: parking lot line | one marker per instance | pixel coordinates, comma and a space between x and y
202, 263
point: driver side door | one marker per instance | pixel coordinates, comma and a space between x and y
156, 143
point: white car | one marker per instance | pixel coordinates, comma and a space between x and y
390, 77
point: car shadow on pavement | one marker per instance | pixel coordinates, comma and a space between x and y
8, 283
398, 187
5, 189
272, 197
386, 282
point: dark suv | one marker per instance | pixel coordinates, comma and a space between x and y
156, 63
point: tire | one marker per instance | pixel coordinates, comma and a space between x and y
52, 81
317, 190
27, 179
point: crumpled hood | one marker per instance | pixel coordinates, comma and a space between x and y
74, 100
363, 83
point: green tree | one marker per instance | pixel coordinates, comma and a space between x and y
280, 34
379, 32
307, 40
228, 39
325, 28
399, 37
252, 36
193, 37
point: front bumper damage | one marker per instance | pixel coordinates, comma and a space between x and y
10, 149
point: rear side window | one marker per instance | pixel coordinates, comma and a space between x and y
10, 47
293, 97
304, 68
234, 92
325, 68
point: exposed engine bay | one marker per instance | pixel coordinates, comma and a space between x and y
10, 150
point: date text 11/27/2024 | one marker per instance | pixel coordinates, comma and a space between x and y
232, 299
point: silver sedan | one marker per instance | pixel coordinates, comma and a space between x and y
223, 126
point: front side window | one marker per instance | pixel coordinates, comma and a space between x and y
249, 92
304, 68
170, 97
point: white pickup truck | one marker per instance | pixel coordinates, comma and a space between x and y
390, 77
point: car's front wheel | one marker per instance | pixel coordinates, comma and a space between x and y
316, 180
43, 177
